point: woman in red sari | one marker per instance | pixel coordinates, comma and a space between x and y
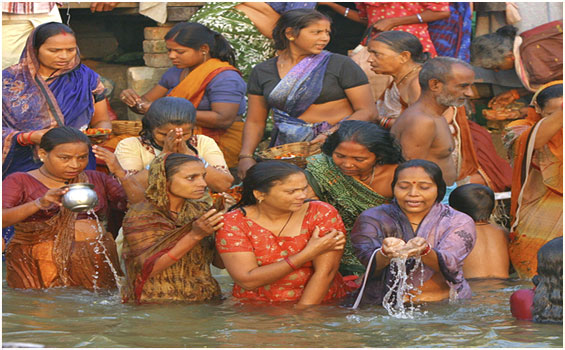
276, 246
204, 73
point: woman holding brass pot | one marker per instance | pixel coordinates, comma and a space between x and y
54, 246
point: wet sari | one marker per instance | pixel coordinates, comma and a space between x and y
451, 235
293, 95
31, 103
150, 231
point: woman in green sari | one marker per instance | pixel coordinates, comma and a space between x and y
354, 173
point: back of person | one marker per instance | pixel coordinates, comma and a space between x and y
489, 257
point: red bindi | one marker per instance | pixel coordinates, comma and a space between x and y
413, 182
63, 32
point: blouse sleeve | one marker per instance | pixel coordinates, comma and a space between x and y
455, 245
116, 195
253, 84
209, 150
232, 237
326, 217
366, 236
12, 192
436, 6
227, 87
362, 9
170, 78
351, 75
128, 152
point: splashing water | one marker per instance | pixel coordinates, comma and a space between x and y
100, 248
402, 290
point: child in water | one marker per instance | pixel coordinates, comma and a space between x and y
489, 258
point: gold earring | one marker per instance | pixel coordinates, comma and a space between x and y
259, 200
291, 39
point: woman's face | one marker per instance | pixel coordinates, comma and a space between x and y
183, 56
415, 191
382, 58
286, 195
354, 159
160, 133
66, 160
313, 38
188, 182
552, 106
57, 51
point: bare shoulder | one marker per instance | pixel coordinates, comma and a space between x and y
413, 118
493, 230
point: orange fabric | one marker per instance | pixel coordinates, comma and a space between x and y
469, 162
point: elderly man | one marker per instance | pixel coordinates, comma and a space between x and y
435, 126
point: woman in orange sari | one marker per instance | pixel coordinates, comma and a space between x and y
204, 73
537, 182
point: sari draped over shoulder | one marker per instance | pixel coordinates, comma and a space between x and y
348, 195
293, 95
150, 232
451, 235
31, 103
537, 192
46, 254
192, 88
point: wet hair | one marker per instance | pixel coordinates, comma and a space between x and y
399, 42
548, 298
60, 135
549, 93
431, 168
262, 177
297, 20
438, 68
475, 200
175, 160
488, 51
194, 35
47, 30
166, 110
378, 141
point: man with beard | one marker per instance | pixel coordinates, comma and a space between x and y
435, 127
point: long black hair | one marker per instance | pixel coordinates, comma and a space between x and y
262, 177
194, 35
549, 93
378, 141
47, 30
60, 135
548, 298
431, 168
297, 20
167, 110
399, 41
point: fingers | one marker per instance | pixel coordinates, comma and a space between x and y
316, 232
130, 97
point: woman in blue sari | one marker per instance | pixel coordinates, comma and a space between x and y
49, 87
308, 89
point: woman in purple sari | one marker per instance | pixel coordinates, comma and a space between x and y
49, 87
308, 89
415, 226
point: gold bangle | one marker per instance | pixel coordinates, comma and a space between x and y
241, 156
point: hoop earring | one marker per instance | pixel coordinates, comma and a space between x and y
259, 201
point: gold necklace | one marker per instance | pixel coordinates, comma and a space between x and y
372, 178
406, 75
286, 223
66, 182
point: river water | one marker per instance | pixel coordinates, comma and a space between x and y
66, 317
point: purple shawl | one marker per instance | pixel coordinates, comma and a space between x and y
31, 103
294, 94
450, 233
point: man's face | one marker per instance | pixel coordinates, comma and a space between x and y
457, 87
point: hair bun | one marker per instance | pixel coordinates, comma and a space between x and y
424, 57
508, 31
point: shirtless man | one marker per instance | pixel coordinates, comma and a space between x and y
489, 257
422, 129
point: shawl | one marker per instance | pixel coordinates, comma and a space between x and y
150, 231
348, 195
61, 226
31, 103
295, 93
451, 235
452, 36
193, 87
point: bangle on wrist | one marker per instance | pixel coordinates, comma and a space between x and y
28, 142
426, 251
290, 263
241, 156
37, 203
419, 18
346, 12
383, 254
172, 257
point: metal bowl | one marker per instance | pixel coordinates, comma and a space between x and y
80, 197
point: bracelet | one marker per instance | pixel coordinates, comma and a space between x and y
346, 12
515, 94
37, 202
426, 251
290, 263
29, 137
241, 156
419, 18
20, 140
172, 257
383, 254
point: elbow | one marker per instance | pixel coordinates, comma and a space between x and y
247, 285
